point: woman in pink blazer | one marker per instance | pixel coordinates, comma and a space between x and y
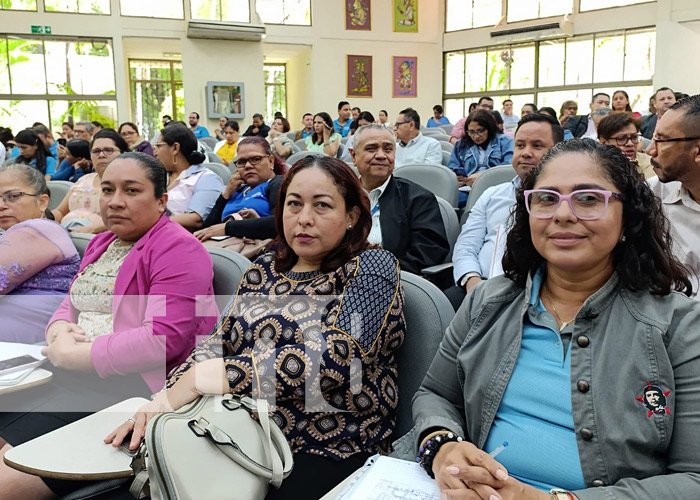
134, 311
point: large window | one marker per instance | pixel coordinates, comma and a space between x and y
156, 90
221, 10
17, 4
170, 9
275, 90
587, 5
467, 14
520, 10
550, 72
56, 80
285, 11
78, 6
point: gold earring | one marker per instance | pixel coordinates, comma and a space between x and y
174, 159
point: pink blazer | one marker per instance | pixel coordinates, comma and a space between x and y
156, 314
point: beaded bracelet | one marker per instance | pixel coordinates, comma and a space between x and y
427, 452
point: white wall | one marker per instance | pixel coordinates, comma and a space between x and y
675, 64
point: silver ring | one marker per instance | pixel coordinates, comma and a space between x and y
131, 420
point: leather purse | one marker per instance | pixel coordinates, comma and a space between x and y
247, 247
217, 447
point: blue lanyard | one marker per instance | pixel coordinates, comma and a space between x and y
375, 209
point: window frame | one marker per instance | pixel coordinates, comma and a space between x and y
311, 18
636, 2
284, 85
183, 18
193, 18
77, 13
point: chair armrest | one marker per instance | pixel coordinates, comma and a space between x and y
437, 269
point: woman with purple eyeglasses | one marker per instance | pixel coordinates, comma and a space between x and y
584, 357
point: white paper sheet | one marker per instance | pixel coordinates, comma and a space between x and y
393, 479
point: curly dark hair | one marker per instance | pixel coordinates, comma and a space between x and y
643, 261
355, 240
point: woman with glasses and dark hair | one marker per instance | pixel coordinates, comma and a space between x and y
37, 258
481, 147
245, 208
192, 187
80, 210
556, 357
622, 131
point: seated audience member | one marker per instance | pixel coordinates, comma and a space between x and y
33, 152
84, 130
110, 340
621, 102
582, 358
45, 136
583, 125
37, 258
192, 187
226, 149
67, 130
546, 110
479, 247
364, 118
510, 121
500, 123
568, 109
324, 139
405, 216
342, 124
323, 220
437, 119
384, 119
676, 165
485, 103
661, 101
246, 207
198, 130
621, 129
76, 162
219, 132
80, 209
596, 116
412, 147
307, 122
258, 128
130, 132
528, 109
280, 144
355, 113
481, 147
98, 126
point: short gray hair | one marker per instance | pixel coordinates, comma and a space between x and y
33, 177
369, 126
88, 126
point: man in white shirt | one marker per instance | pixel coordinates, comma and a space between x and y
412, 146
510, 121
675, 158
480, 245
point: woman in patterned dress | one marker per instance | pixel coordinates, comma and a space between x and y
314, 327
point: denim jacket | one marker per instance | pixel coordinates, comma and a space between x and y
622, 343
465, 161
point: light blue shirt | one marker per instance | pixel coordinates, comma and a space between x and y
476, 243
420, 150
343, 130
432, 123
535, 415
200, 132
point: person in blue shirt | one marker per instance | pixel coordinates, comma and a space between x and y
77, 162
45, 136
34, 152
342, 123
197, 129
437, 119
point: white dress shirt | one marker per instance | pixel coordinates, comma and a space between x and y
419, 150
375, 235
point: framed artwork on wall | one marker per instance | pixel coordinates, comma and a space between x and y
405, 16
358, 15
225, 99
359, 76
405, 76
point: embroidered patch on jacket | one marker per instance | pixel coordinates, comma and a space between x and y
654, 399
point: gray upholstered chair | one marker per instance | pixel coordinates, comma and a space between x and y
80, 241
59, 190
438, 179
298, 156
221, 170
209, 141
229, 267
488, 178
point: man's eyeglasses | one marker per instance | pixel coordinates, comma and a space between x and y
398, 124
474, 133
675, 139
586, 204
622, 139
253, 160
15, 196
105, 151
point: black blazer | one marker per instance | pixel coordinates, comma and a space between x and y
577, 125
648, 126
262, 131
412, 228
261, 228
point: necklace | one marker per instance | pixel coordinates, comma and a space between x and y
563, 324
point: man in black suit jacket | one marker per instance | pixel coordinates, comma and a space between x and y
405, 216
663, 99
579, 125
258, 127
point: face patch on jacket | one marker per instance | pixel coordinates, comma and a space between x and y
654, 399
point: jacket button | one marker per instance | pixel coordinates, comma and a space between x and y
583, 386
587, 435
598, 483
583, 341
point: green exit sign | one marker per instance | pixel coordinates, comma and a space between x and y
41, 30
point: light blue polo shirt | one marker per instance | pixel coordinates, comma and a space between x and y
343, 130
535, 414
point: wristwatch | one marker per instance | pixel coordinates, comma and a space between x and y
559, 494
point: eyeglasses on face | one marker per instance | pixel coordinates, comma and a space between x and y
398, 124
14, 196
105, 151
674, 139
127, 133
253, 160
621, 140
474, 133
586, 204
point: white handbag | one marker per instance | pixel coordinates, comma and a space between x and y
212, 449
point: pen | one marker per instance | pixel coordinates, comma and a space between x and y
498, 450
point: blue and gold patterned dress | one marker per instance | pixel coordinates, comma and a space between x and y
320, 347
